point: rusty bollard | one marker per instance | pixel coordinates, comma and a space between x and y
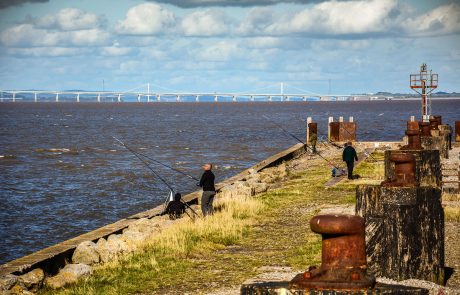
425, 128
439, 119
413, 137
404, 171
434, 124
343, 260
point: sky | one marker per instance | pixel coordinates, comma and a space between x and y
321, 47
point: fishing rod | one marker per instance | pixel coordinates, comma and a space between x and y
299, 140
153, 171
167, 166
365, 153
162, 164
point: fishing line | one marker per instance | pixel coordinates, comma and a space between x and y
154, 172
299, 140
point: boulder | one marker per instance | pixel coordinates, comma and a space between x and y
33, 280
69, 274
144, 225
105, 254
7, 282
86, 253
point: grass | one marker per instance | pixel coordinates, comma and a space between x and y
452, 214
271, 229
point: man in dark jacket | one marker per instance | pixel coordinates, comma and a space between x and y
209, 191
349, 156
175, 208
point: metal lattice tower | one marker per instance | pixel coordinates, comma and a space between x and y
424, 83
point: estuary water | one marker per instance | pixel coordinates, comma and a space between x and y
62, 173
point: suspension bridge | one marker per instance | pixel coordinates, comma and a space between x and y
144, 93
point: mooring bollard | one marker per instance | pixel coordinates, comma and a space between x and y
343, 264
425, 128
413, 136
342, 131
404, 171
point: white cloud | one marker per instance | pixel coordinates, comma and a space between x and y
146, 19
47, 51
115, 50
26, 35
439, 21
256, 21
211, 22
219, 52
338, 18
70, 19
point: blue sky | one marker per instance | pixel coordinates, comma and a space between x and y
228, 45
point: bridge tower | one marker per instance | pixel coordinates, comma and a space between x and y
424, 83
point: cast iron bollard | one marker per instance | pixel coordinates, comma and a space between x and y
425, 128
434, 124
343, 265
413, 137
404, 171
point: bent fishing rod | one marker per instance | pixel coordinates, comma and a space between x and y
153, 171
299, 140
158, 162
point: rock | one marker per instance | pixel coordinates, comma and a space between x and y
69, 274
259, 187
144, 225
105, 254
7, 282
114, 246
86, 253
33, 280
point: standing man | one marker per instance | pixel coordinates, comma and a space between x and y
209, 191
349, 156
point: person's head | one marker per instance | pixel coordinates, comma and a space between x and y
177, 197
349, 143
207, 166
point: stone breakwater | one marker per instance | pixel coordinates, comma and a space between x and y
71, 260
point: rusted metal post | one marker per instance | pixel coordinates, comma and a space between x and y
425, 128
343, 265
413, 136
404, 172
457, 131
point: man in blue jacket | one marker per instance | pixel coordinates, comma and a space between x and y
349, 156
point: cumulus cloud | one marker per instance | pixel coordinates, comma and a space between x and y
146, 19
219, 52
26, 35
439, 21
240, 3
70, 19
212, 22
8, 3
339, 18
116, 50
256, 21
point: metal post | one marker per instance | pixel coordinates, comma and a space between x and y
331, 119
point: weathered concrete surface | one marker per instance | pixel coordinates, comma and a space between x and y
53, 258
404, 231
427, 166
439, 142
282, 288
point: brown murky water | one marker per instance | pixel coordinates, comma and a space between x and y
62, 173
